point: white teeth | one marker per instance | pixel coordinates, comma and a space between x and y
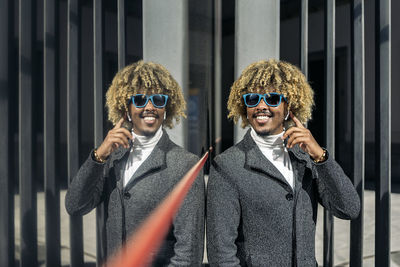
262, 117
149, 119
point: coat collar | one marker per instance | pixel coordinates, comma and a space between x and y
155, 161
256, 161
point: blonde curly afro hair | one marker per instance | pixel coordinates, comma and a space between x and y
272, 76
149, 78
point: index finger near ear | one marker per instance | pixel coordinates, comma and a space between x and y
119, 123
296, 121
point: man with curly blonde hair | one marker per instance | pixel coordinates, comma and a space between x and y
263, 192
137, 165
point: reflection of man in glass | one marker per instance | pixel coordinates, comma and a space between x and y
132, 171
263, 192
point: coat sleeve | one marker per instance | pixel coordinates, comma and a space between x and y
188, 225
223, 218
336, 191
86, 188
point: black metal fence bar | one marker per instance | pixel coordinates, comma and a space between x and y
304, 37
98, 72
330, 116
27, 189
76, 231
382, 132
217, 63
98, 111
358, 96
51, 184
6, 182
121, 34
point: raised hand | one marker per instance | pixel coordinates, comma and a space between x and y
116, 137
301, 135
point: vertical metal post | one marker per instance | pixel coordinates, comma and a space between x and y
330, 116
227, 69
51, 185
358, 95
382, 132
27, 190
121, 34
98, 113
217, 73
304, 37
76, 231
6, 182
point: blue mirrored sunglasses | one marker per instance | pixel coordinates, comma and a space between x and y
158, 100
271, 99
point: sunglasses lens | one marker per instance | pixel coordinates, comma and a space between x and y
159, 100
140, 100
252, 99
273, 100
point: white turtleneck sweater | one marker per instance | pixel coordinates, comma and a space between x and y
140, 150
273, 148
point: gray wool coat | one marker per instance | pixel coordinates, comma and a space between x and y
125, 208
254, 218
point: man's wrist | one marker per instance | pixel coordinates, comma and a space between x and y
97, 157
321, 158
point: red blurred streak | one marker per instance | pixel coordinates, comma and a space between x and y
138, 250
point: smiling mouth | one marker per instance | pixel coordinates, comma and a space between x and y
149, 119
262, 117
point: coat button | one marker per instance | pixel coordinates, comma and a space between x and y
127, 195
289, 196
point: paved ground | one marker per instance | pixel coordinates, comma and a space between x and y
342, 234
341, 241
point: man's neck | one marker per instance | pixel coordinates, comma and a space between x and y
147, 140
267, 140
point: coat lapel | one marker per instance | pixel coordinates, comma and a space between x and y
155, 162
256, 161
300, 161
118, 160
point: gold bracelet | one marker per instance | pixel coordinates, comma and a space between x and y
97, 158
322, 158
